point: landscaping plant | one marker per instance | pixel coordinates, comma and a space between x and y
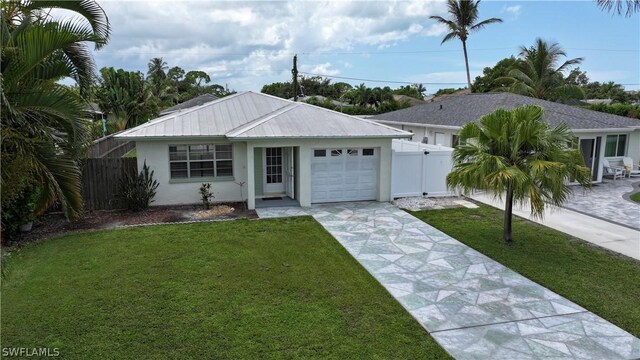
515, 153
139, 190
206, 194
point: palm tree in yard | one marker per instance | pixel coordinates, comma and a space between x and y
515, 153
464, 20
44, 123
539, 74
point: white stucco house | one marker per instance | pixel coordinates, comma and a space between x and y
599, 135
253, 146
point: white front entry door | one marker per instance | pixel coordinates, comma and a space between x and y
347, 174
273, 171
288, 171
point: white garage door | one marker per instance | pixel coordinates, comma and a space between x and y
348, 174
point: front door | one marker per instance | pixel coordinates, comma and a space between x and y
273, 174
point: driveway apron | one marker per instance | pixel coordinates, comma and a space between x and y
473, 306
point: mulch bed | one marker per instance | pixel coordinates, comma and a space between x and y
51, 225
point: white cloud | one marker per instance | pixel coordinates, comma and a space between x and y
324, 69
435, 30
251, 43
513, 11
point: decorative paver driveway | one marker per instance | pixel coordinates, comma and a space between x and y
473, 306
605, 201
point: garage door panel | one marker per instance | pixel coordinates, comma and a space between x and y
351, 176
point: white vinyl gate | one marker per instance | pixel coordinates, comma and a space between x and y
419, 169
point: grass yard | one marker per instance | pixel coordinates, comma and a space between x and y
280, 288
635, 197
598, 281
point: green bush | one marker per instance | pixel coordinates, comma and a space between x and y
21, 212
632, 111
138, 190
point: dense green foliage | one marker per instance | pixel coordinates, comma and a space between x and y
516, 153
44, 124
129, 99
539, 75
447, 91
632, 111
124, 97
491, 78
139, 190
463, 21
594, 278
245, 289
359, 100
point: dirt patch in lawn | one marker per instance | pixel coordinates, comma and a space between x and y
51, 225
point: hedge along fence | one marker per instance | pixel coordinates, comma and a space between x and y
101, 181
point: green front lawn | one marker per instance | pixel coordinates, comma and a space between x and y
635, 197
240, 289
606, 284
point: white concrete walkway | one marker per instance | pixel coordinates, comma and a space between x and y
600, 232
474, 307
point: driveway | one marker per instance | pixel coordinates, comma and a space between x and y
473, 306
605, 201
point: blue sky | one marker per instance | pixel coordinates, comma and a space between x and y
249, 44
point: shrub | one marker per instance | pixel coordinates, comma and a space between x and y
21, 212
206, 194
138, 190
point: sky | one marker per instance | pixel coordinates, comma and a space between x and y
246, 45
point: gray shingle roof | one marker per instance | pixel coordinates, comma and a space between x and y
196, 101
459, 110
253, 115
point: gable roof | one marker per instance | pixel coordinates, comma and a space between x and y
196, 101
252, 115
456, 111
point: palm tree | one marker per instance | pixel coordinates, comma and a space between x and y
44, 123
515, 152
464, 16
618, 6
538, 74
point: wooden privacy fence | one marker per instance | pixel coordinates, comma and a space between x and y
110, 147
101, 181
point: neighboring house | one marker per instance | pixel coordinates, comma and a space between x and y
321, 99
272, 146
196, 101
599, 101
94, 111
600, 135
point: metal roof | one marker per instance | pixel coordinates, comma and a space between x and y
456, 111
252, 115
196, 101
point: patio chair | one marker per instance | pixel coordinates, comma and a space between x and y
614, 172
631, 168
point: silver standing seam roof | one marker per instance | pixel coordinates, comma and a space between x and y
250, 115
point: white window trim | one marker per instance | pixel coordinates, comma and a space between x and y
626, 146
189, 178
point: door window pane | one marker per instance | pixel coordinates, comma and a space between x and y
319, 153
622, 145
611, 145
367, 152
337, 152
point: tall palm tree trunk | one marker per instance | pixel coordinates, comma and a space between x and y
466, 63
508, 215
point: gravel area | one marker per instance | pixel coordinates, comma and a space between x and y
431, 203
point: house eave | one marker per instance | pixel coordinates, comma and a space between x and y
425, 125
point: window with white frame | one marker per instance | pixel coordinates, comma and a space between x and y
616, 145
200, 161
